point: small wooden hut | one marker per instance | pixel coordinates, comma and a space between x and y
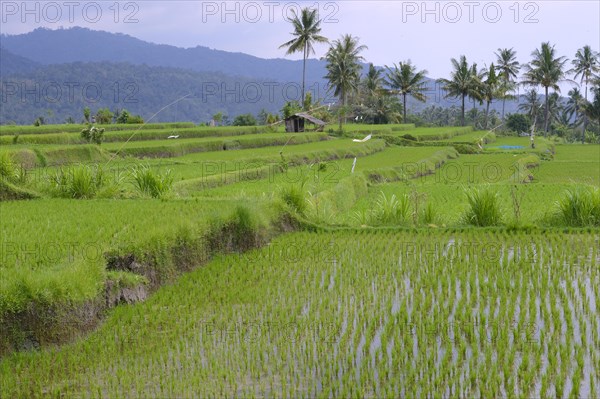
296, 122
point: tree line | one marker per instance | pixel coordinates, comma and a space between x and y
373, 98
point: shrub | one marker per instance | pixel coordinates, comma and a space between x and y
429, 214
238, 233
244, 120
93, 134
8, 169
580, 207
484, 207
79, 182
293, 197
150, 183
391, 210
518, 123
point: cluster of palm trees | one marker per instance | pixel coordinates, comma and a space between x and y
546, 70
344, 66
497, 81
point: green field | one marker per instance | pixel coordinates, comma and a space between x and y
249, 263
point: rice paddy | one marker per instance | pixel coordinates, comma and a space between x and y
308, 265
353, 313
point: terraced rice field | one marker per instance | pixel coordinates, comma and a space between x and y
297, 265
352, 313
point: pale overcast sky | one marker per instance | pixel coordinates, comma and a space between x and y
427, 32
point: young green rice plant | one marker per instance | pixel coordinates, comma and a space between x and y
484, 207
150, 183
579, 207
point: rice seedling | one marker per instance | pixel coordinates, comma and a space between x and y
461, 312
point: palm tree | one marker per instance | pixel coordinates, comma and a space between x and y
508, 66
575, 104
531, 106
404, 79
490, 86
460, 83
554, 107
306, 33
476, 90
373, 80
343, 67
546, 70
592, 109
585, 64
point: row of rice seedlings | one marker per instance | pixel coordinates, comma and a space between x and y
453, 328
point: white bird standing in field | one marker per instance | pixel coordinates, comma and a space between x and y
363, 140
173, 137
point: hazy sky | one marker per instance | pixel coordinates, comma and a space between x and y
427, 32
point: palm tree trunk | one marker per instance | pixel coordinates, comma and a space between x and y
546, 114
585, 119
303, 75
503, 102
462, 117
487, 110
343, 97
404, 105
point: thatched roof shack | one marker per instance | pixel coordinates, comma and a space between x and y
295, 123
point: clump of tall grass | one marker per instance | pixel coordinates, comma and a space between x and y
238, 233
429, 214
151, 183
484, 207
81, 181
8, 169
294, 198
319, 211
579, 207
391, 210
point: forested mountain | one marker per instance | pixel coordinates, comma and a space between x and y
60, 46
56, 73
60, 91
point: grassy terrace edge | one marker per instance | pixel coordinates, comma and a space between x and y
35, 316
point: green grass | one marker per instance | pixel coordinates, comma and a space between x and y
434, 133
67, 250
361, 307
135, 134
7, 130
573, 164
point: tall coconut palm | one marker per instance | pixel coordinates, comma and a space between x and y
489, 89
460, 83
508, 67
586, 64
554, 107
373, 80
476, 90
592, 109
532, 105
307, 29
574, 105
546, 70
343, 67
405, 80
